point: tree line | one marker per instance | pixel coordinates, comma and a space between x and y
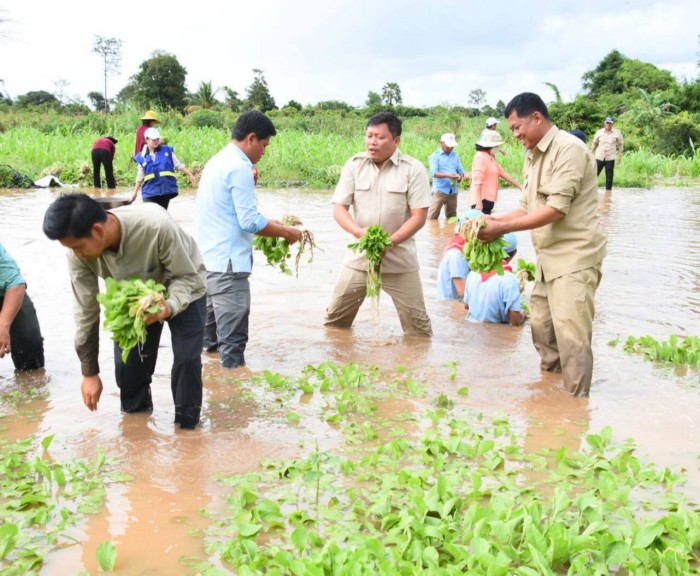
655, 110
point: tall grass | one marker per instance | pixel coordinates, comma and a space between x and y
308, 151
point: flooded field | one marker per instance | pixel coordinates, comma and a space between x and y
650, 286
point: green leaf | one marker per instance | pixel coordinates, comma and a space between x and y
8, 538
46, 442
106, 556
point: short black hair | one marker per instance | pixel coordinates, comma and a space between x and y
580, 134
392, 121
72, 215
526, 104
480, 148
254, 122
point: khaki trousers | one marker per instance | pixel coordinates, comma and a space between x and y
440, 199
562, 325
405, 290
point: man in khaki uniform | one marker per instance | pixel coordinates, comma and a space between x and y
607, 143
559, 204
388, 188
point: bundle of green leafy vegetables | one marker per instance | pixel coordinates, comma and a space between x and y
482, 256
277, 250
127, 304
373, 244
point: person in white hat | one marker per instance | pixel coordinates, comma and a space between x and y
447, 171
486, 172
492, 124
156, 176
607, 143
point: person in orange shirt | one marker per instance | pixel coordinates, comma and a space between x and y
485, 173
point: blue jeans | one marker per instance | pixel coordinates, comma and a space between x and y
228, 310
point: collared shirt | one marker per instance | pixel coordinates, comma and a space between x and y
227, 215
485, 173
152, 246
10, 276
384, 196
491, 301
445, 163
452, 265
605, 144
560, 172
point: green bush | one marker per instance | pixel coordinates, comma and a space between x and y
678, 134
204, 118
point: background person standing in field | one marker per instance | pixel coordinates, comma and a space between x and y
486, 172
142, 241
149, 119
387, 188
20, 335
560, 205
493, 298
156, 175
227, 218
103, 151
607, 143
492, 124
447, 172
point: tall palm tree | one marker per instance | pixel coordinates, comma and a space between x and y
204, 97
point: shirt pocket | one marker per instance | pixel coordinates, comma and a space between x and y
397, 194
362, 186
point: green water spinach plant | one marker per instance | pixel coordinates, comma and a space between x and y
41, 500
127, 304
374, 243
675, 350
460, 497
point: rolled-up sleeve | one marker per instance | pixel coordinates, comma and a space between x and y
567, 174
345, 190
10, 276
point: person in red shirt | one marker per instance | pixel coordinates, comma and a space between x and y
103, 151
149, 119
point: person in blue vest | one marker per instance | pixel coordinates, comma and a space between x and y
156, 177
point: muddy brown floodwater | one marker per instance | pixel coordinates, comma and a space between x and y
650, 286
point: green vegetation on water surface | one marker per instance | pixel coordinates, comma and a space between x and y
449, 492
675, 350
42, 500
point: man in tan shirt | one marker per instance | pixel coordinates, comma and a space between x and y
559, 204
134, 241
608, 143
388, 188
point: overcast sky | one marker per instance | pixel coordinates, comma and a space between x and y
311, 50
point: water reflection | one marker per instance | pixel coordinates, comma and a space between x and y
650, 286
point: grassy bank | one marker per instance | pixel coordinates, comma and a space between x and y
307, 152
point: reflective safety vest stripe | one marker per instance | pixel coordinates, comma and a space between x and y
164, 173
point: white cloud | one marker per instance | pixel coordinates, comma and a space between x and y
312, 50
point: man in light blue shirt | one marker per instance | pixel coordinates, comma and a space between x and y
227, 218
454, 267
493, 298
447, 171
